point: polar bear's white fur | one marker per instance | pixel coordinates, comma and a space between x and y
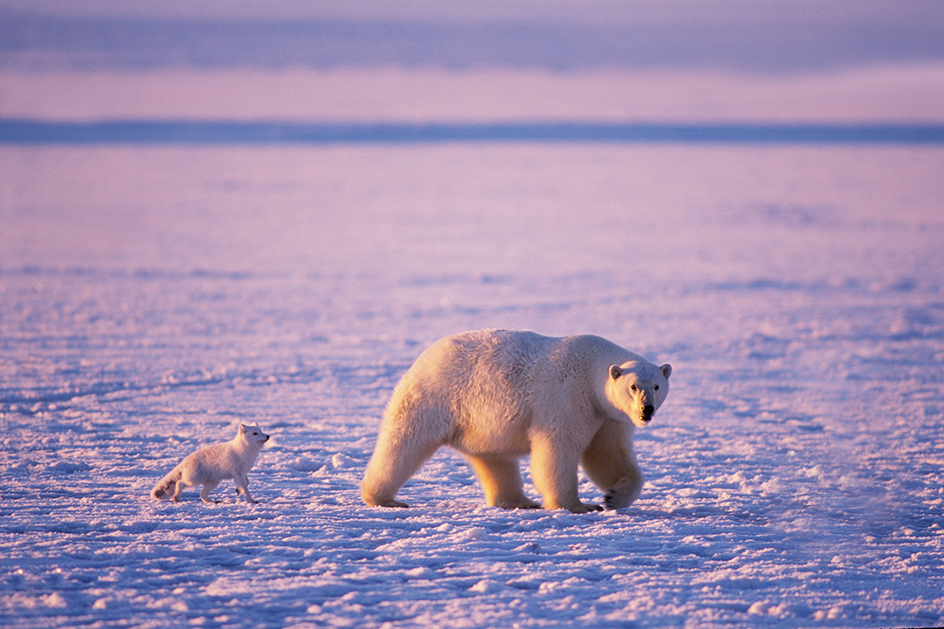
497, 395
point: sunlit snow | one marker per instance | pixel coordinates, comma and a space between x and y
153, 298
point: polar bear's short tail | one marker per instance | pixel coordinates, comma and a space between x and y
167, 485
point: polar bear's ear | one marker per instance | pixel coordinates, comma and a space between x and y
666, 370
615, 371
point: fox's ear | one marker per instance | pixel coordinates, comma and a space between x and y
242, 428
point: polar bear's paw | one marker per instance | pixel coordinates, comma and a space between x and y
391, 503
522, 503
612, 500
622, 495
585, 508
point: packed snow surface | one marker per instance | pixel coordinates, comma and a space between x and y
152, 298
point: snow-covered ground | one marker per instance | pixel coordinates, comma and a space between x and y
151, 298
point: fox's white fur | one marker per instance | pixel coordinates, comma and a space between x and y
212, 465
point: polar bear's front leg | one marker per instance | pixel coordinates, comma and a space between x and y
501, 481
623, 493
554, 470
610, 463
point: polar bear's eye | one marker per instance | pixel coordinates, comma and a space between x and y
657, 387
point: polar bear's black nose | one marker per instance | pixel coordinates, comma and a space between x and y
648, 410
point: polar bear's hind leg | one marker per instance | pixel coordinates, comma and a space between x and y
501, 481
391, 466
410, 434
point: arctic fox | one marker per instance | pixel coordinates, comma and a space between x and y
211, 465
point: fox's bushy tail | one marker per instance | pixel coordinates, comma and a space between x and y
167, 485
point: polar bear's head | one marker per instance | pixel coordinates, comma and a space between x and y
638, 388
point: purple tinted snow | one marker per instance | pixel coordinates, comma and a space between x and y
794, 475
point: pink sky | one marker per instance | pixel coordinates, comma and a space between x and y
904, 93
693, 60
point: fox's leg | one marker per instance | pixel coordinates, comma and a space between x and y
181, 485
242, 487
208, 486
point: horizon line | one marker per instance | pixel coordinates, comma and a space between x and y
28, 131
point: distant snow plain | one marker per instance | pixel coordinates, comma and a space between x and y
153, 298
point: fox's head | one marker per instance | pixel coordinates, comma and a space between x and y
252, 434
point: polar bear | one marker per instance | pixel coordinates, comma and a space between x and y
497, 395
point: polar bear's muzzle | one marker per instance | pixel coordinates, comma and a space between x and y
647, 412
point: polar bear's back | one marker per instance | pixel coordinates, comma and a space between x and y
495, 359
472, 390
485, 372
482, 359
490, 381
